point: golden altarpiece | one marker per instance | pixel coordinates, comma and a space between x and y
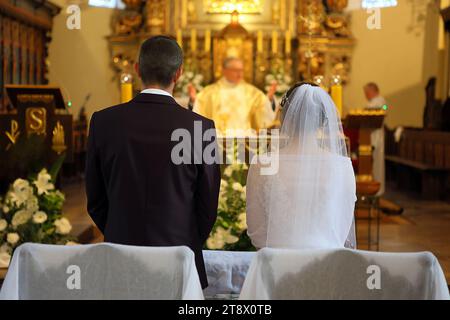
300, 38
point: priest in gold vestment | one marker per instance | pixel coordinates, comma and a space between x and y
232, 103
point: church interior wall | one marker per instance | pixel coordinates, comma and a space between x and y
400, 57
80, 60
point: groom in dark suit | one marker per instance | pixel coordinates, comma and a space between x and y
138, 192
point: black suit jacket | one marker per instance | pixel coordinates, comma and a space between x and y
136, 194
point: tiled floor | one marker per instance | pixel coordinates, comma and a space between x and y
423, 226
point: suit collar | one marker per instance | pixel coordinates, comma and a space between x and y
154, 98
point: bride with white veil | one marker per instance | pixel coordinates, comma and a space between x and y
309, 202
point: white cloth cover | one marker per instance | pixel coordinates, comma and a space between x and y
309, 201
226, 271
106, 272
343, 274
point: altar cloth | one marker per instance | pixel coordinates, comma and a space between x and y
226, 271
342, 274
102, 271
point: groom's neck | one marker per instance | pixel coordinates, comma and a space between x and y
168, 89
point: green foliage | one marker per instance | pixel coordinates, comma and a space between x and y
229, 230
31, 211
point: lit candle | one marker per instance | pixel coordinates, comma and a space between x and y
336, 95
259, 42
274, 42
126, 87
287, 44
208, 40
193, 40
180, 38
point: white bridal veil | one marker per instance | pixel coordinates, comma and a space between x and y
309, 202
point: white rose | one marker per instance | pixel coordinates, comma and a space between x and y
12, 238
21, 217
5, 209
213, 244
43, 183
225, 236
223, 203
39, 217
5, 259
3, 224
5, 255
223, 184
238, 187
228, 171
242, 221
32, 204
63, 226
22, 191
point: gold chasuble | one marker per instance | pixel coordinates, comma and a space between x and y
234, 107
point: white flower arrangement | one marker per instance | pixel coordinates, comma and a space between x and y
231, 224
31, 211
186, 78
282, 80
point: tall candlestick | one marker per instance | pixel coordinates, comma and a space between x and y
126, 87
180, 38
336, 95
274, 42
287, 44
183, 13
292, 16
208, 40
259, 42
193, 40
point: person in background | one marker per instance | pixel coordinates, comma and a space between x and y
232, 102
376, 101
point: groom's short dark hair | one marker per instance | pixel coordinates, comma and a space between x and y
159, 59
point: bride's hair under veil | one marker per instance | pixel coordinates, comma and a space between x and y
309, 202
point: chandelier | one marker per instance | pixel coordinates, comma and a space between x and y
230, 6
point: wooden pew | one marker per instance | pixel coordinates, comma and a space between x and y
421, 162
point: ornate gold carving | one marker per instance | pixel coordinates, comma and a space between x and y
312, 14
340, 66
132, 4
58, 142
337, 5
35, 98
128, 22
191, 11
234, 41
365, 150
13, 134
228, 6
36, 120
156, 15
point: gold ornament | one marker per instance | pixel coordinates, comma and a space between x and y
58, 141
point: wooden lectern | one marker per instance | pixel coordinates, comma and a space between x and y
366, 121
36, 131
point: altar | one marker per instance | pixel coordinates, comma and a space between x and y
281, 40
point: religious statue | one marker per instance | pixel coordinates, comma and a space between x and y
127, 22
234, 104
155, 15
